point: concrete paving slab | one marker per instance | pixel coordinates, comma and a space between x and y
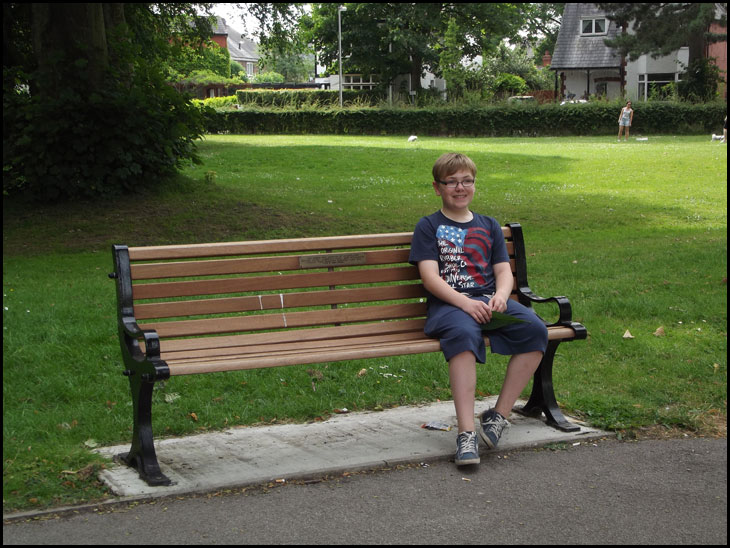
355, 441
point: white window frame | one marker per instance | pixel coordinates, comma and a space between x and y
593, 26
645, 83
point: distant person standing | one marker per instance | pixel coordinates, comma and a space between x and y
624, 120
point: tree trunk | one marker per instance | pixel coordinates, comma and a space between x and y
70, 45
416, 70
697, 47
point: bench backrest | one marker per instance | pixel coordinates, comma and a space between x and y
242, 287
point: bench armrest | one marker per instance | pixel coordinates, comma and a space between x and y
564, 307
133, 334
146, 362
565, 318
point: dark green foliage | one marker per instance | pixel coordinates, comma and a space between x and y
114, 140
700, 81
86, 110
579, 119
299, 97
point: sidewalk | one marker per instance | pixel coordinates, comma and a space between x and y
355, 441
583, 492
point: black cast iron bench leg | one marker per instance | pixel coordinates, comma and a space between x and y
142, 454
542, 399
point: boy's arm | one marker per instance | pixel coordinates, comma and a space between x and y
505, 281
434, 284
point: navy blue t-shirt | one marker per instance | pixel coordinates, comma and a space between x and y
465, 252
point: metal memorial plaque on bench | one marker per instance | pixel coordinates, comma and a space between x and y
324, 260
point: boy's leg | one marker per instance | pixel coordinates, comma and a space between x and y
520, 370
463, 379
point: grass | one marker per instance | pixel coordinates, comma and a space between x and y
634, 234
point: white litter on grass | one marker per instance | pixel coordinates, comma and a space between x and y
412, 138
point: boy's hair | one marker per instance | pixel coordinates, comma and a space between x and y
452, 162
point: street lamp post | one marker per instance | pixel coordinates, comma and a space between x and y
340, 9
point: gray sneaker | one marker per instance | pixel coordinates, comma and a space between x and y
467, 449
492, 426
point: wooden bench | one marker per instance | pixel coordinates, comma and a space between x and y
203, 308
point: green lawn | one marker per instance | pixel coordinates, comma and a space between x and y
634, 234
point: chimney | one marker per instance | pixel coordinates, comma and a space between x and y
546, 59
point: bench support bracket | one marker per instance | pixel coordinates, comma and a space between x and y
542, 399
142, 454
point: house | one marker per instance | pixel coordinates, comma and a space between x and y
718, 51
585, 66
401, 85
241, 49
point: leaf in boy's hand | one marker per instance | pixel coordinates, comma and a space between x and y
500, 319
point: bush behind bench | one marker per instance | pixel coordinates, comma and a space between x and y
487, 121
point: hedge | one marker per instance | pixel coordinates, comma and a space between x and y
574, 119
303, 97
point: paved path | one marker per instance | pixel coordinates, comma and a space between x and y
347, 442
602, 492
586, 489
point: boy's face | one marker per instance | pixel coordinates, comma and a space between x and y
459, 197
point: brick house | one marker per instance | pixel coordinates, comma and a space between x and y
241, 49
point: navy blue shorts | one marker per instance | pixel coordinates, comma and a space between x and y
458, 331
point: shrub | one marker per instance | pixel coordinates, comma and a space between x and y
270, 77
509, 84
576, 119
114, 140
300, 97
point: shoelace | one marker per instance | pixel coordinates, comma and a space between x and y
495, 424
468, 442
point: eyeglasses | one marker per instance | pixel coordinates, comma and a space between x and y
466, 183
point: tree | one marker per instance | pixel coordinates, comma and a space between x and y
86, 109
452, 69
542, 25
389, 39
516, 61
294, 67
278, 26
660, 28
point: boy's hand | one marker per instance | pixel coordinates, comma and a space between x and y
478, 310
497, 303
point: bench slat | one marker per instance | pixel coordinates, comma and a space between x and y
229, 305
268, 246
288, 320
164, 252
349, 349
270, 360
281, 347
273, 283
260, 264
303, 335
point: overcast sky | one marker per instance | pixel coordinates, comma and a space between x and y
235, 14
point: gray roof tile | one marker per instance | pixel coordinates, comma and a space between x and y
573, 51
